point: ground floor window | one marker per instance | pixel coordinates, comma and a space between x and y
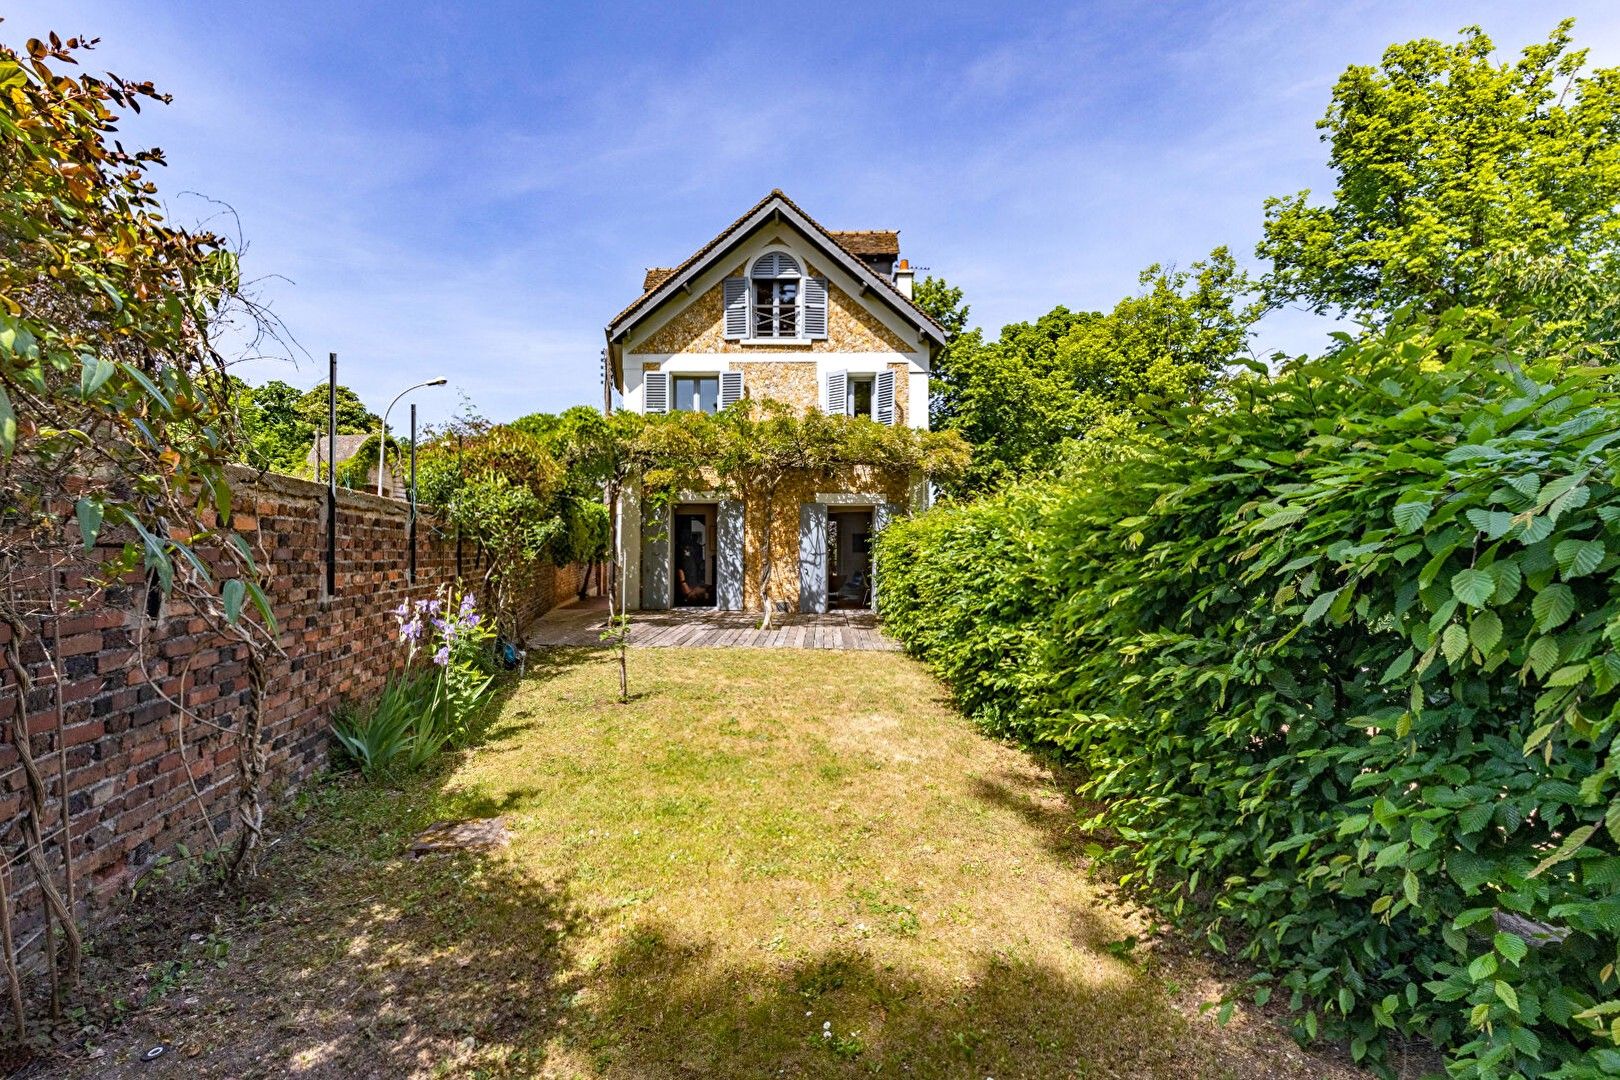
849, 558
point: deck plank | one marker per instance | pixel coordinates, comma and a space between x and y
581, 624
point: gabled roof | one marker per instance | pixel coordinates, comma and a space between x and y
346, 447
773, 207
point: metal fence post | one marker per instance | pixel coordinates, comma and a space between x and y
412, 519
331, 476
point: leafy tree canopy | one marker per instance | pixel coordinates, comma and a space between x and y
1022, 399
1462, 182
279, 422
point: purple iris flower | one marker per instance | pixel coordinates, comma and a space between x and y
442, 657
411, 631
471, 621
468, 603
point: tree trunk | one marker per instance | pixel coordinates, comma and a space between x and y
767, 505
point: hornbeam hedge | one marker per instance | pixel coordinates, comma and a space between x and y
1339, 659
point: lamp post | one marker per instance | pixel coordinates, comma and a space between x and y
382, 435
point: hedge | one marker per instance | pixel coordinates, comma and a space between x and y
1338, 659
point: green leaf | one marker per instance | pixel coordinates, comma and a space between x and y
1454, 642
1511, 946
1543, 655
151, 388
8, 425
1482, 967
1410, 516
89, 511
94, 376
1473, 587
1485, 631
1572, 843
1577, 558
1506, 995
1320, 605
262, 602
234, 592
1570, 675
1553, 606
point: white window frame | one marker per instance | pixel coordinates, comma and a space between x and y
674, 376
870, 379
798, 335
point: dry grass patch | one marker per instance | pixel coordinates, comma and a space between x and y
769, 863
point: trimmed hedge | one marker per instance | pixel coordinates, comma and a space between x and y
1339, 658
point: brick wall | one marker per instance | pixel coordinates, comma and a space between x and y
139, 782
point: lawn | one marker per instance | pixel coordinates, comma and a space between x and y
770, 863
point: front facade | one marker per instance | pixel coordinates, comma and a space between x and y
775, 307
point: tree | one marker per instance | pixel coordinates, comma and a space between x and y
499, 486
1461, 183
353, 418
1022, 400
278, 423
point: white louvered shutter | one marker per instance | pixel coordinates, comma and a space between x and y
815, 307
883, 398
731, 388
655, 392
837, 393
736, 294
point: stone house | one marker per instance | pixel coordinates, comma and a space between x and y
774, 307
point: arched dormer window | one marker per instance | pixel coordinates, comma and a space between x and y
772, 299
774, 283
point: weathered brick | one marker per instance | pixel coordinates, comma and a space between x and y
130, 796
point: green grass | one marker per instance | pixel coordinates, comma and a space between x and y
794, 863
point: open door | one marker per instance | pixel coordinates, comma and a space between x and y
693, 575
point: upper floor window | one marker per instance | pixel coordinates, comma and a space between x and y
696, 393
775, 284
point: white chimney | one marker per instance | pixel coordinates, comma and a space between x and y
902, 278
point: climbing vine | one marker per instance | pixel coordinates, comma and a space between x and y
115, 436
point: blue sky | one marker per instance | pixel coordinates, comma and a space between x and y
473, 190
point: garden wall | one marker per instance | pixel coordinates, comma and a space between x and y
139, 782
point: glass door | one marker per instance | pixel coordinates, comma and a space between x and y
694, 556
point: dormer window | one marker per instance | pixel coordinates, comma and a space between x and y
775, 300
775, 284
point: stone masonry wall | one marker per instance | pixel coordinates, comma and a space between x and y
700, 328
140, 781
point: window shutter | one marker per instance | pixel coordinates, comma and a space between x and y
731, 388
655, 392
883, 398
813, 558
776, 264
837, 393
736, 294
815, 307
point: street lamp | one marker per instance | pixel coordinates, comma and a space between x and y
382, 434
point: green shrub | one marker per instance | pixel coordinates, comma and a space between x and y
965, 588
1339, 659
399, 732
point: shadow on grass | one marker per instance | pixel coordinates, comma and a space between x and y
346, 958
665, 1007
